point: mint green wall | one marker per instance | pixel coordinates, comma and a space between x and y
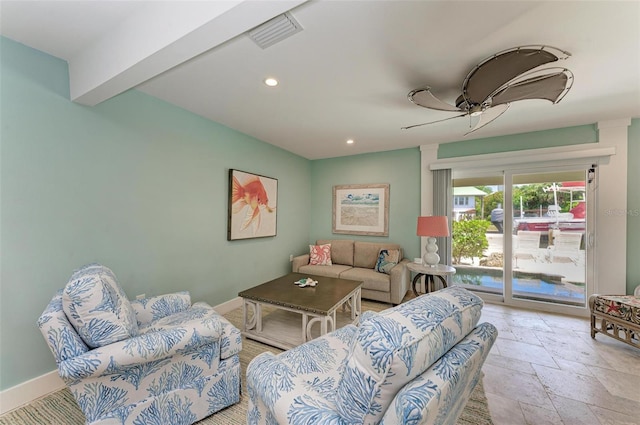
633, 207
516, 142
134, 183
141, 186
399, 168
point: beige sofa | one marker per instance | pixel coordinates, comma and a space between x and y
356, 260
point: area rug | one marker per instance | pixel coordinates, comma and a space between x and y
60, 408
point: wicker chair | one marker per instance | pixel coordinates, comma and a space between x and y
617, 315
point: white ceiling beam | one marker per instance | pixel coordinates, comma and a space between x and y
159, 38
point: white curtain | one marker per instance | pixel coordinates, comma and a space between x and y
443, 205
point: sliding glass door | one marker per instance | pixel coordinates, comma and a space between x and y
477, 243
523, 236
548, 239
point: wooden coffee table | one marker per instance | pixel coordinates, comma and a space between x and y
281, 314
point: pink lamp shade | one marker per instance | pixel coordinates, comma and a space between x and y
434, 226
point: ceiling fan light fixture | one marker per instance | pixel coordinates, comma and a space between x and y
476, 110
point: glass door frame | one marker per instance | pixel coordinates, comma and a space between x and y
507, 182
590, 199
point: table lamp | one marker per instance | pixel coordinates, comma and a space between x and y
432, 227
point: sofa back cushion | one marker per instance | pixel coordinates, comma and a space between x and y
396, 345
341, 250
97, 307
365, 254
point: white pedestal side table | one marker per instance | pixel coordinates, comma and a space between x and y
439, 270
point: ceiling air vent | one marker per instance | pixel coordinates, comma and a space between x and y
275, 30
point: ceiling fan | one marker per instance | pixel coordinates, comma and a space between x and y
508, 76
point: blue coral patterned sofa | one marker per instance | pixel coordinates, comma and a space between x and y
415, 363
158, 360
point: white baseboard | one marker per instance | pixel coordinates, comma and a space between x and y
28, 391
50, 382
226, 307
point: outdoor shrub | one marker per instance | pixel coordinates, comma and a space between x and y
469, 239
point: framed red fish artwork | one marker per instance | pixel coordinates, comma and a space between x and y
252, 205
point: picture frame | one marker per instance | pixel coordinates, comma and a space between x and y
252, 206
361, 209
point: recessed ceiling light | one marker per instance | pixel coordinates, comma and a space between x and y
350, 142
271, 82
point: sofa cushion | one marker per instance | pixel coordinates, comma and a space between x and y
397, 345
321, 358
387, 259
365, 254
150, 309
298, 385
341, 250
320, 255
97, 307
333, 270
624, 307
370, 278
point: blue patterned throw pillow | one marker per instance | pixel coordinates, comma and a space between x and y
387, 260
97, 307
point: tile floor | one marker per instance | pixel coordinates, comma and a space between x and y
545, 369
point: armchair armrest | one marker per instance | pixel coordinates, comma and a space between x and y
230, 339
145, 350
277, 393
299, 261
437, 397
399, 281
151, 309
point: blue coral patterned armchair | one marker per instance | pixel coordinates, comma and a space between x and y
158, 360
415, 363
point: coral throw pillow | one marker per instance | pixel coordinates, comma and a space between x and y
320, 255
387, 260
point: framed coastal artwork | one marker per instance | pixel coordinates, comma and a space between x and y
361, 209
252, 206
